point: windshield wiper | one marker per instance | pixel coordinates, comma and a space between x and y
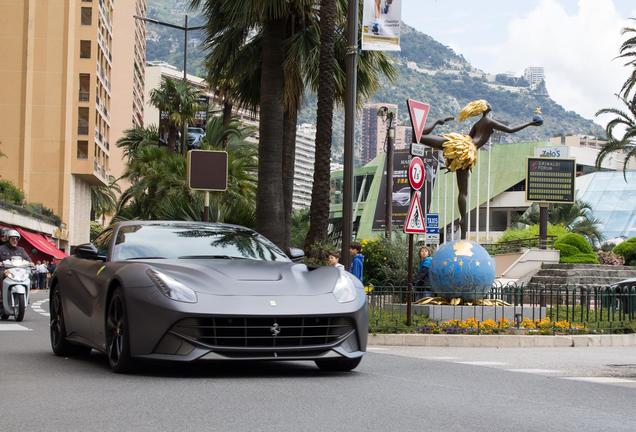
148, 257
209, 257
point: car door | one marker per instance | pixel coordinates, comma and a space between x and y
84, 291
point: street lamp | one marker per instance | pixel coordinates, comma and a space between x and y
185, 28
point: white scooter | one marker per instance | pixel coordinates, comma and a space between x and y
16, 285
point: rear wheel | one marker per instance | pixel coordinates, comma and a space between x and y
59, 344
338, 364
117, 335
19, 307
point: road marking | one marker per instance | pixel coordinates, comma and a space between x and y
601, 380
13, 327
482, 363
37, 307
441, 358
535, 371
376, 349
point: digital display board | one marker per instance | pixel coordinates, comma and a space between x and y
550, 180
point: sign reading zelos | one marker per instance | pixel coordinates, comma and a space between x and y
550, 180
207, 170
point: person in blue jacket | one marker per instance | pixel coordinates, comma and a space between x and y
422, 279
357, 263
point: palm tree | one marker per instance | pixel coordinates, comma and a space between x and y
178, 99
625, 143
576, 218
628, 51
104, 198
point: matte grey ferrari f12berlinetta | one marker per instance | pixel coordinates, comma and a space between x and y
185, 291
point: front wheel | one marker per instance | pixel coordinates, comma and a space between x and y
118, 334
338, 364
19, 307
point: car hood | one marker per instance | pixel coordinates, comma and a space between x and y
249, 277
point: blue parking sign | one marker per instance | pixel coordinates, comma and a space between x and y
432, 221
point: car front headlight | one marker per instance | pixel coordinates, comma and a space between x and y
17, 274
344, 291
172, 288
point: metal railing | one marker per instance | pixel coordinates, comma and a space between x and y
598, 308
518, 245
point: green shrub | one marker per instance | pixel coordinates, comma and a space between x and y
386, 262
39, 208
580, 259
10, 193
513, 234
575, 249
576, 240
627, 250
566, 249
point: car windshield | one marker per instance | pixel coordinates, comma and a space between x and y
193, 241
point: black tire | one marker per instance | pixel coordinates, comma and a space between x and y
20, 308
60, 346
118, 334
4, 317
338, 364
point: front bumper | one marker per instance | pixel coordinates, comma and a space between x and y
242, 327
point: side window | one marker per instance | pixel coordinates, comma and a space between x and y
102, 241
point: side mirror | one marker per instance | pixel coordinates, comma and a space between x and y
87, 251
296, 255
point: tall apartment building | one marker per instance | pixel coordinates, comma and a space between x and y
304, 165
56, 75
129, 59
373, 131
534, 75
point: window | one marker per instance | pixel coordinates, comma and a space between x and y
82, 121
82, 149
85, 49
103, 241
84, 87
87, 16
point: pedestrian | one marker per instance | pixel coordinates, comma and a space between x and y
423, 279
357, 263
42, 271
334, 260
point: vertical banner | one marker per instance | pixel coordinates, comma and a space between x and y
381, 25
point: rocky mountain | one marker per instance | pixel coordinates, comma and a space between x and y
428, 71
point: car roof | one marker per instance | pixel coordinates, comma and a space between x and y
184, 224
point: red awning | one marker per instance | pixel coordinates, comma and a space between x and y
41, 243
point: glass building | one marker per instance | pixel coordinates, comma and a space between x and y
613, 201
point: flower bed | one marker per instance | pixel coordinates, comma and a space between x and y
503, 326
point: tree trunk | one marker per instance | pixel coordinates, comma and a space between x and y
319, 210
269, 194
172, 136
289, 159
227, 118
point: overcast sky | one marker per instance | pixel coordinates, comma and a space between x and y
574, 40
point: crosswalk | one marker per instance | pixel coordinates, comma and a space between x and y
590, 375
13, 327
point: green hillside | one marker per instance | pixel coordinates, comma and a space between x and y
436, 75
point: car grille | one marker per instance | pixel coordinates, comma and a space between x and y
265, 332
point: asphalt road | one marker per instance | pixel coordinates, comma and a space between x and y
394, 389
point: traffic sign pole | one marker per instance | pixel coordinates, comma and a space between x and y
409, 274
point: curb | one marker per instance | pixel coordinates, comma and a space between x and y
503, 341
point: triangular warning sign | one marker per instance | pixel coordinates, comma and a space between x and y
414, 223
418, 111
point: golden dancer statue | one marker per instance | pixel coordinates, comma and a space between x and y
460, 151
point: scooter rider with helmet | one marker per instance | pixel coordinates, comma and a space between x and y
11, 248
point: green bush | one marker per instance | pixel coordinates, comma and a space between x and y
513, 234
580, 259
10, 193
627, 250
576, 240
39, 208
566, 249
386, 262
575, 249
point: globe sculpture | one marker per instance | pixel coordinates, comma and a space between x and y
462, 268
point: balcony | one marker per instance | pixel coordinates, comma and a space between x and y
84, 96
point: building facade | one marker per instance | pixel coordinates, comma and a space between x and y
534, 75
56, 76
304, 165
373, 131
128, 96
